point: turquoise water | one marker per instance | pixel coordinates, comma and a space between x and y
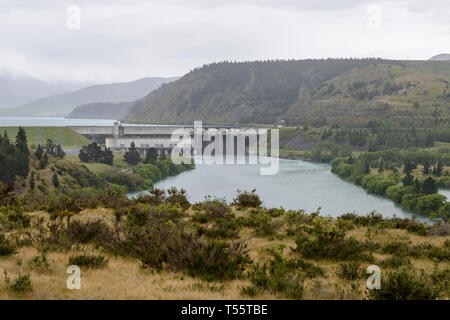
298, 185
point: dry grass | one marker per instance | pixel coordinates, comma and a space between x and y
124, 278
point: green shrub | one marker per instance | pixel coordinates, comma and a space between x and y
21, 284
247, 199
218, 260
223, 228
430, 203
214, 208
409, 201
179, 197
330, 243
88, 261
395, 262
404, 285
349, 270
377, 184
6, 247
281, 275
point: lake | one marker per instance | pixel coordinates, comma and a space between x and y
51, 122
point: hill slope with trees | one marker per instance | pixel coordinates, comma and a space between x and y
348, 92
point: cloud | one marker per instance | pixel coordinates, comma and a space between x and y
124, 40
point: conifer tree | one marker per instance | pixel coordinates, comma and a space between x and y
151, 156
132, 156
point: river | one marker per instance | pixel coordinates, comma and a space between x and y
297, 185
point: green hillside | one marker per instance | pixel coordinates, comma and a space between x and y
347, 92
61, 135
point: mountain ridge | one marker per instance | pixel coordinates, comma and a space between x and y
63, 104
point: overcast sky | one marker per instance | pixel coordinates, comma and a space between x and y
122, 40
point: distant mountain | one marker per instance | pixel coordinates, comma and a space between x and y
441, 57
346, 92
101, 110
18, 90
63, 104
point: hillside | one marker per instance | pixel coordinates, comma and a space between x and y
39, 135
101, 110
441, 57
313, 92
18, 90
61, 105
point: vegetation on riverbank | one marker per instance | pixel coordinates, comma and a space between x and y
159, 246
413, 184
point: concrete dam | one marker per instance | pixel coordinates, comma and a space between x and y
120, 136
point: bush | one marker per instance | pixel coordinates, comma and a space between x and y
248, 199
21, 284
280, 275
88, 261
219, 260
6, 247
330, 243
404, 285
430, 203
85, 232
214, 208
349, 270
176, 196
223, 228
377, 184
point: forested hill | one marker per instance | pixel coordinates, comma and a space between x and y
314, 92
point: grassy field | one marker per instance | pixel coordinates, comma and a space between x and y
118, 164
60, 135
124, 278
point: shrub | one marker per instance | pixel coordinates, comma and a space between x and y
330, 243
40, 262
21, 284
88, 261
248, 199
219, 260
6, 247
404, 285
283, 276
223, 228
349, 270
176, 196
377, 184
444, 212
214, 208
395, 262
430, 203
85, 232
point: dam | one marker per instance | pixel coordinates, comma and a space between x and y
120, 136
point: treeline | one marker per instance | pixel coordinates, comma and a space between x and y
377, 137
411, 192
144, 175
42, 153
93, 153
14, 158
